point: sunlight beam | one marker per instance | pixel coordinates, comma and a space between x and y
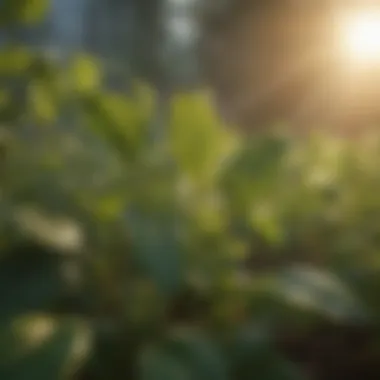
361, 37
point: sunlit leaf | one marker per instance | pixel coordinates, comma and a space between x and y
198, 141
145, 99
40, 346
85, 74
118, 120
42, 103
110, 207
24, 11
265, 219
311, 289
15, 60
60, 233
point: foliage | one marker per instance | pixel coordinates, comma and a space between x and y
124, 256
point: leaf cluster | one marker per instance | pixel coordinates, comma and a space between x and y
124, 256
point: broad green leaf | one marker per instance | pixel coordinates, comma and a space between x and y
116, 119
198, 141
43, 347
157, 249
316, 290
60, 233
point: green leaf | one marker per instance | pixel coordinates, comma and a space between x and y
109, 207
10, 110
85, 74
265, 220
30, 280
22, 11
146, 99
319, 291
42, 103
198, 142
157, 249
61, 234
253, 355
15, 60
200, 354
256, 165
155, 363
39, 346
118, 120
183, 354
252, 174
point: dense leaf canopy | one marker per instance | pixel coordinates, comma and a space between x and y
189, 256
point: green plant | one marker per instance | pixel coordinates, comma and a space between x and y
184, 258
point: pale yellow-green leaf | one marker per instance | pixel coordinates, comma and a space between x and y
61, 233
85, 73
32, 11
124, 113
109, 207
4, 98
22, 11
15, 60
199, 140
146, 99
42, 103
265, 220
42, 346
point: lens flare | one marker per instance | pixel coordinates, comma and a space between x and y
361, 34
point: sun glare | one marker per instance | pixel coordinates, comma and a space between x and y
361, 34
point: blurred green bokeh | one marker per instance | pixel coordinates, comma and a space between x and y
185, 257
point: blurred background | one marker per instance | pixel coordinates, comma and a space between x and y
264, 62
151, 38
189, 190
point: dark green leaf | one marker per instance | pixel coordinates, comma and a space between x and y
41, 347
201, 355
30, 280
254, 355
157, 249
155, 363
